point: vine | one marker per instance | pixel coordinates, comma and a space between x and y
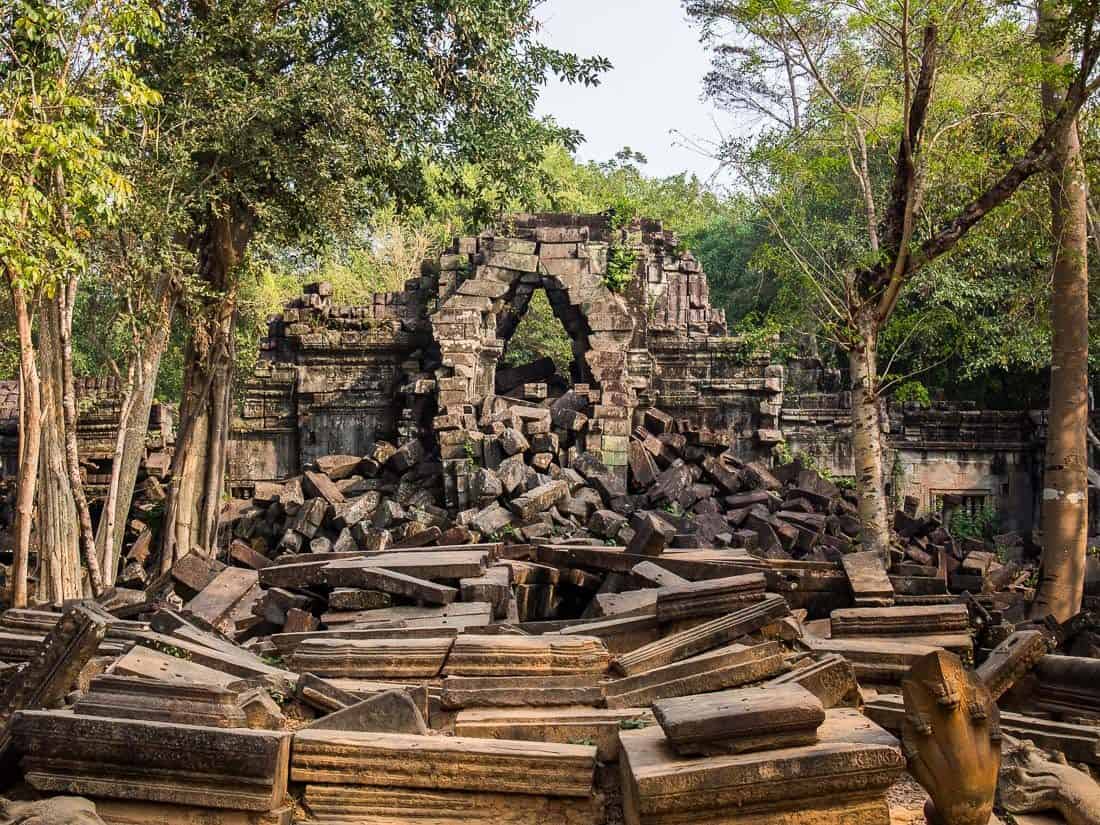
622, 258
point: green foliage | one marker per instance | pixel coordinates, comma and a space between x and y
67, 82
913, 392
540, 335
621, 264
983, 524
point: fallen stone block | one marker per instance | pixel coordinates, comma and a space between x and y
519, 691
499, 655
359, 573
149, 700
908, 620
442, 763
842, 778
740, 721
1011, 660
154, 761
831, 678
652, 534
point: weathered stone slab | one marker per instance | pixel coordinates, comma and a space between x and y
703, 637
768, 717
727, 667
1011, 660
361, 573
216, 601
147, 663
155, 761
520, 691
908, 620
151, 700
443, 763
499, 655
1068, 685
831, 678
294, 575
372, 658
458, 615
867, 577
648, 574
564, 725
714, 597
366, 805
652, 534
391, 711
854, 762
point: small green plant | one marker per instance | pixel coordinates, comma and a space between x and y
272, 660
621, 261
172, 650
982, 524
782, 453
632, 724
589, 742
913, 392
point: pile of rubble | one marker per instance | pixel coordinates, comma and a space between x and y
553, 681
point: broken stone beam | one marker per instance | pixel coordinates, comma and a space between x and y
148, 700
494, 587
712, 597
128, 812
910, 620
447, 565
727, 667
500, 655
740, 721
540, 499
1011, 660
843, 778
831, 679
621, 634
443, 763
152, 664
405, 658
294, 575
51, 674
216, 601
390, 806
703, 637
513, 691
867, 577
561, 724
156, 761
318, 485
322, 695
361, 574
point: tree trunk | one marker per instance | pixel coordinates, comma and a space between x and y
133, 427
61, 314
30, 445
867, 438
58, 531
197, 482
1064, 512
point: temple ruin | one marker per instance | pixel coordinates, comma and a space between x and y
455, 592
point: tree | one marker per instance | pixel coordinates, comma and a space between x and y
889, 83
292, 121
66, 84
1065, 497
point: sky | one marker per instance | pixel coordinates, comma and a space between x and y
654, 88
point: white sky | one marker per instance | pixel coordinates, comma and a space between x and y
655, 86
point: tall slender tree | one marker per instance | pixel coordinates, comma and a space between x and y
879, 59
65, 83
1065, 496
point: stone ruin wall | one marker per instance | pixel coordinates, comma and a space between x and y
422, 363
